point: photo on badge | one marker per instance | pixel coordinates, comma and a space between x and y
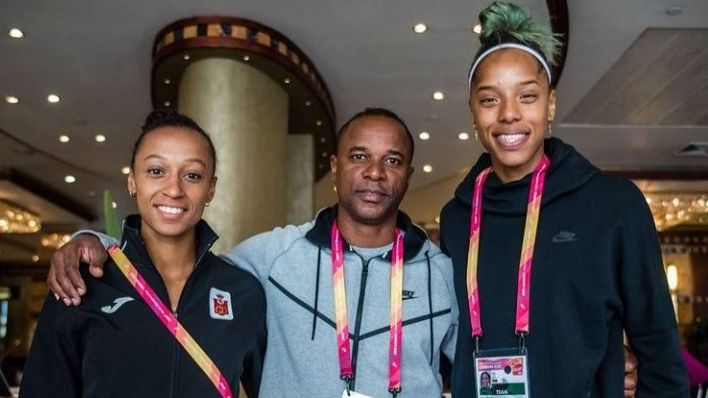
501, 373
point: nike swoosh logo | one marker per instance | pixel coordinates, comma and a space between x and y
564, 236
117, 303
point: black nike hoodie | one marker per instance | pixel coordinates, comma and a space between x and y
597, 269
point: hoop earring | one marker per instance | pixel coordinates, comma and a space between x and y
476, 136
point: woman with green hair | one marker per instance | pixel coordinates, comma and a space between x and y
552, 258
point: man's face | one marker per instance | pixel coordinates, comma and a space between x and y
371, 170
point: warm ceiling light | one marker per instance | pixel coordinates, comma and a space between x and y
186, 57
167, 103
438, 96
477, 29
35, 258
463, 136
420, 28
16, 220
114, 205
428, 168
319, 122
246, 58
125, 170
437, 220
11, 99
100, 138
55, 240
53, 98
69, 179
168, 81
64, 138
308, 103
15, 33
424, 135
286, 80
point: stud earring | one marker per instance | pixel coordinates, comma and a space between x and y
206, 204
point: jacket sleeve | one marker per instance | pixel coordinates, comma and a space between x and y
648, 315
258, 253
53, 368
106, 240
449, 342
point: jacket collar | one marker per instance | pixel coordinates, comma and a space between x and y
413, 240
131, 234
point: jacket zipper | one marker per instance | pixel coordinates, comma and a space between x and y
359, 311
175, 347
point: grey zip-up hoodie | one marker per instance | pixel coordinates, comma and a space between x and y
294, 265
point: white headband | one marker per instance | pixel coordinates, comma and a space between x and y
521, 47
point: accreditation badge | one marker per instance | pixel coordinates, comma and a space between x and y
501, 373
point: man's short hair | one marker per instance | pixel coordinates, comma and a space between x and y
378, 112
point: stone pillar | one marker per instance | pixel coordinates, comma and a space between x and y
301, 178
246, 114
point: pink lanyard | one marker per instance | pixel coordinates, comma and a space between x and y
524, 283
170, 322
340, 311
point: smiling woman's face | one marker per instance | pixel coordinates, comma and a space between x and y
512, 104
173, 178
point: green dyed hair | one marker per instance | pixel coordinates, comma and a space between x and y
504, 22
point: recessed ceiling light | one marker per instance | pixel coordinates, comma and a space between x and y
11, 99
420, 28
100, 138
69, 179
308, 103
53, 98
424, 135
168, 81
463, 136
114, 205
15, 33
286, 80
438, 96
428, 168
167, 103
125, 170
319, 122
35, 258
675, 10
246, 58
437, 220
477, 29
64, 138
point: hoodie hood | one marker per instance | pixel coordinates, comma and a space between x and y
568, 171
413, 240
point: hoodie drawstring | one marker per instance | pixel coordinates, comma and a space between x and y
317, 292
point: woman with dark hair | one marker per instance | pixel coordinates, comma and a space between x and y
167, 316
534, 202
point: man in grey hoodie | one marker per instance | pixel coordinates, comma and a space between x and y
370, 171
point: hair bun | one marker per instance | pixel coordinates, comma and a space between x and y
504, 22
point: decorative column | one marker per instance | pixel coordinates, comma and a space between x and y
266, 108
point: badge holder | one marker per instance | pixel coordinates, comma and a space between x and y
502, 372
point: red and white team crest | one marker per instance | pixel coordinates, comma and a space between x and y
220, 304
